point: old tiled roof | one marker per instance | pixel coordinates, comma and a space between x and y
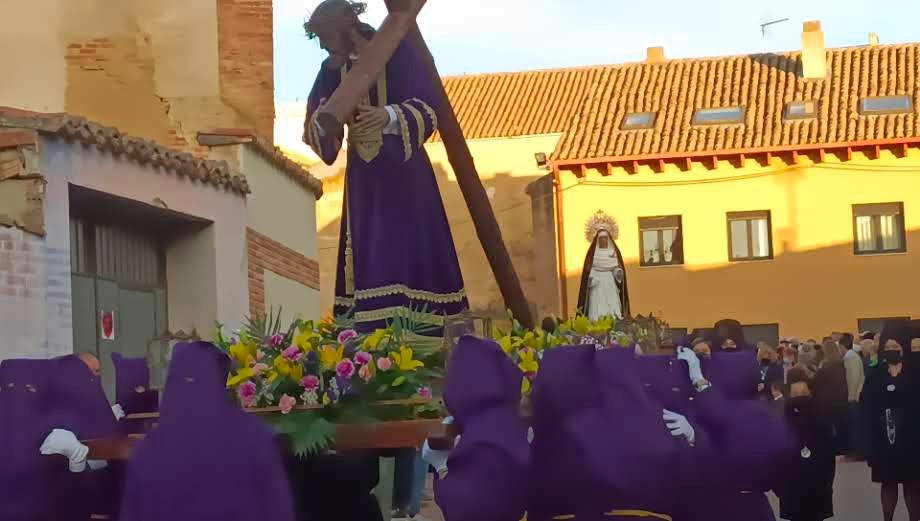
519, 103
273, 154
111, 140
763, 84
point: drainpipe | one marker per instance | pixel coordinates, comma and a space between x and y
560, 242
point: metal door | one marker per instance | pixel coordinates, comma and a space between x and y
120, 270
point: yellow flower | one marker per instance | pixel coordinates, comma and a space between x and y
505, 343
292, 370
530, 340
581, 325
525, 385
373, 341
243, 353
404, 361
528, 363
241, 376
303, 340
329, 356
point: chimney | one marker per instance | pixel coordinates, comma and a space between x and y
814, 56
873, 39
655, 55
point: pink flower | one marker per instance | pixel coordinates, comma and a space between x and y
424, 392
309, 382
345, 368
348, 334
259, 369
366, 373
260, 354
247, 392
384, 364
291, 354
276, 340
363, 358
286, 403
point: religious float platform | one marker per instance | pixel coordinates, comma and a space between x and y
326, 386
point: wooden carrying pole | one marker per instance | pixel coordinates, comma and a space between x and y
400, 23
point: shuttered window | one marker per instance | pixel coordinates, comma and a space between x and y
878, 228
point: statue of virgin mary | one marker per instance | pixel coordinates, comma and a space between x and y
603, 290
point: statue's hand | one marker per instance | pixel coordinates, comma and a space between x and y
370, 119
619, 275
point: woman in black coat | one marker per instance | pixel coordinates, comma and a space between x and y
807, 492
892, 415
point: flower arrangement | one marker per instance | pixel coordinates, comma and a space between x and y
314, 373
526, 347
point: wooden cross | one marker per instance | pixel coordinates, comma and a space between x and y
399, 24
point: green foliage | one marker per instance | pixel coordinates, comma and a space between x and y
309, 432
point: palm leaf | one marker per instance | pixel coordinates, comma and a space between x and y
309, 432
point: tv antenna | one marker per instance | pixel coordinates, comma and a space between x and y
769, 23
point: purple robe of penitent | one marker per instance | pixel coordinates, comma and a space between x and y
80, 406
29, 481
395, 247
207, 460
487, 470
132, 379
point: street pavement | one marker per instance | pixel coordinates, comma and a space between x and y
856, 498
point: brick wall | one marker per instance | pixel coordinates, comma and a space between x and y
246, 53
35, 297
267, 254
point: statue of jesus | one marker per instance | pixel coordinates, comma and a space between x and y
395, 248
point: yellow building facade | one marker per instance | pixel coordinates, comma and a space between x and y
813, 284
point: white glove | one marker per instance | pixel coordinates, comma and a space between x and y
65, 443
693, 361
118, 412
438, 458
678, 425
529, 434
96, 464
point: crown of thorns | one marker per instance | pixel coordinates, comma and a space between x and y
324, 12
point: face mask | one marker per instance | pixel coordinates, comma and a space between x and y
787, 361
893, 357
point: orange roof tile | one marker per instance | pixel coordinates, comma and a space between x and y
763, 84
519, 103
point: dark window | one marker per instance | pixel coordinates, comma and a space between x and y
875, 325
885, 105
637, 120
801, 110
768, 333
749, 236
878, 228
719, 116
661, 241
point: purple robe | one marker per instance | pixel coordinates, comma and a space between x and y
207, 460
600, 446
486, 479
403, 254
80, 406
132, 374
744, 445
29, 482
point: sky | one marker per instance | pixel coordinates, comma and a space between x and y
476, 36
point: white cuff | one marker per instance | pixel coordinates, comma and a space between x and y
392, 127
